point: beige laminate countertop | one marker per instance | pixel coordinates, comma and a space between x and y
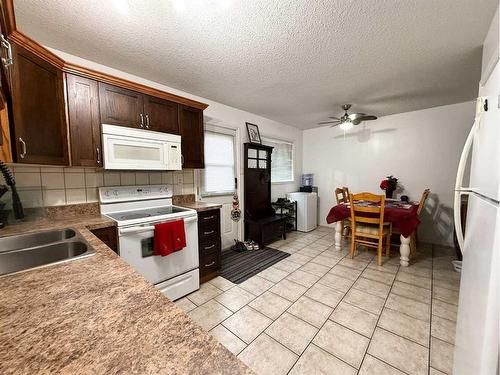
200, 206
98, 316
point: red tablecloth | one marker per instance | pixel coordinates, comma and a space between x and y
404, 219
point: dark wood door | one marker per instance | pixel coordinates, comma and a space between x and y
84, 124
121, 106
161, 115
192, 137
39, 124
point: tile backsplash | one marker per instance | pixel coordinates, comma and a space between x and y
40, 186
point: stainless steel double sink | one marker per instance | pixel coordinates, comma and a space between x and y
27, 251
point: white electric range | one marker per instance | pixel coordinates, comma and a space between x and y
136, 209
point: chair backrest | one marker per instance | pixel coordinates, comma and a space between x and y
340, 196
346, 192
424, 197
372, 214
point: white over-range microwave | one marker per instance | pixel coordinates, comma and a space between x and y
127, 148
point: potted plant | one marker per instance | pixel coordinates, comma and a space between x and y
389, 185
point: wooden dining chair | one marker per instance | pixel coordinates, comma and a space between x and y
346, 192
413, 238
423, 198
341, 197
368, 226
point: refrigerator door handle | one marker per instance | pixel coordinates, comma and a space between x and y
459, 190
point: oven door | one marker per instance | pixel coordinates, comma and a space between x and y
136, 248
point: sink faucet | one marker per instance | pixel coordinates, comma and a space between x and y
9, 180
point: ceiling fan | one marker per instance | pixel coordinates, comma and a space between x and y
347, 121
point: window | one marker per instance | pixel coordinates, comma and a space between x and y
281, 160
218, 176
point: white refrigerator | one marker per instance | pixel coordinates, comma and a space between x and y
307, 210
477, 330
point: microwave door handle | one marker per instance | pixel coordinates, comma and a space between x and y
139, 229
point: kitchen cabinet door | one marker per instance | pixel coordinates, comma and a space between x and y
5, 100
121, 107
192, 137
84, 124
162, 115
40, 132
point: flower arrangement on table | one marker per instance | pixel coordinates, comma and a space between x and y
389, 185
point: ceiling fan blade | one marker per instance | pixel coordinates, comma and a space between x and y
334, 118
363, 118
328, 122
355, 116
368, 118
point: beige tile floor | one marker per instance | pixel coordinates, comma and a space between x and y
319, 312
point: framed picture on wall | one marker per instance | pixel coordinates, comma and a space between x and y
253, 133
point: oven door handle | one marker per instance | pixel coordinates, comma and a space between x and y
139, 229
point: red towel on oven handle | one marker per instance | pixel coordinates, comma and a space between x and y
169, 237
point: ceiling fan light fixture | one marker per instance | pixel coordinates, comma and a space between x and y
347, 125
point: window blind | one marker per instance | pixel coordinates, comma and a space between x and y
281, 160
218, 175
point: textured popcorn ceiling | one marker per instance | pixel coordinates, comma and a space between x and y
294, 61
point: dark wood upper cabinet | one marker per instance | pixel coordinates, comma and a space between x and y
192, 137
39, 123
121, 106
161, 115
84, 123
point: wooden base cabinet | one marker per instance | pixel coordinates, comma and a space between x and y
109, 236
209, 244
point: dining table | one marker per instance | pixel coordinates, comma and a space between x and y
402, 215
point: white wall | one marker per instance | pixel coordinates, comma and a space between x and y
221, 115
421, 148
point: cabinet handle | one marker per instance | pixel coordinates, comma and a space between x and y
210, 264
209, 217
98, 151
147, 121
209, 247
209, 232
23, 145
6, 44
142, 120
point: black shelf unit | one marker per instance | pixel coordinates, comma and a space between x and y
288, 210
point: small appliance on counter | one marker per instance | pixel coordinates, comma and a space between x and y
307, 210
307, 184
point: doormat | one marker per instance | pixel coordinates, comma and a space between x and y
238, 267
